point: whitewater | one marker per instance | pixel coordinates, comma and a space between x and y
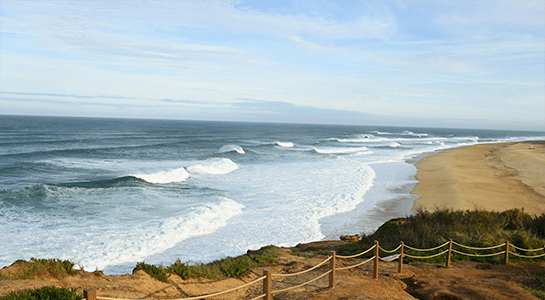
108, 193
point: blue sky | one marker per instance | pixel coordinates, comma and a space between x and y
468, 64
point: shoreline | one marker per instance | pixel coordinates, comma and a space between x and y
494, 177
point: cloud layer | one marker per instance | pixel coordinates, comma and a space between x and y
480, 61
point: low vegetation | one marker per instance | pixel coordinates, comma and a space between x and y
227, 267
45, 293
37, 268
477, 228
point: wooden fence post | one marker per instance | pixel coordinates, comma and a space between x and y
332, 274
506, 252
375, 265
90, 294
267, 284
400, 265
449, 253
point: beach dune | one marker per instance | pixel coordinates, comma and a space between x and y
494, 177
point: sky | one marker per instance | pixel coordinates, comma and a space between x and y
459, 64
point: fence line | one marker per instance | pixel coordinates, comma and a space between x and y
356, 255
528, 250
391, 251
303, 272
90, 294
426, 257
479, 255
478, 248
424, 250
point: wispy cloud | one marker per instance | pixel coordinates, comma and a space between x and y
200, 58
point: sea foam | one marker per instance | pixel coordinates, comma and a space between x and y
231, 148
285, 144
176, 175
214, 166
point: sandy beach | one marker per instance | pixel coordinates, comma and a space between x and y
493, 177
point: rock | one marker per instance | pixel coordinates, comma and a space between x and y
350, 238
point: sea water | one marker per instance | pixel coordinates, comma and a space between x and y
108, 193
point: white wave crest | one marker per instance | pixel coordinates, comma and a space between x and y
407, 132
176, 175
230, 148
339, 150
395, 145
285, 144
214, 166
362, 140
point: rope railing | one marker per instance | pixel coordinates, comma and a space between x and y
303, 272
356, 265
478, 248
425, 250
302, 284
527, 250
478, 255
426, 257
527, 256
390, 251
90, 294
356, 255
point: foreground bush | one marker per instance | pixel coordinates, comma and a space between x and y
230, 267
477, 228
55, 268
46, 293
158, 273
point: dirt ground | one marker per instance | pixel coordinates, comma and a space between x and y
463, 280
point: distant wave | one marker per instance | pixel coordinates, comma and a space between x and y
231, 148
214, 166
406, 132
38, 192
381, 133
176, 175
339, 150
363, 138
125, 181
285, 144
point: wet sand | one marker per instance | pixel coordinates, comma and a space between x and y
494, 177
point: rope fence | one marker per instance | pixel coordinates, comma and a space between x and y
266, 279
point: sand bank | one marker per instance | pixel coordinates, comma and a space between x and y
493, 177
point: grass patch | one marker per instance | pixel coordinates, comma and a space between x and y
156, 272
46, 293
36, 268
319, 250
477, 228
236, 267
227, 267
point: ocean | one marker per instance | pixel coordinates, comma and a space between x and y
108, 193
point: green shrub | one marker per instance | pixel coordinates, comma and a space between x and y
46, 293
158, 273
236, 267
42, 267
477, 228
186, 271
264, 256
